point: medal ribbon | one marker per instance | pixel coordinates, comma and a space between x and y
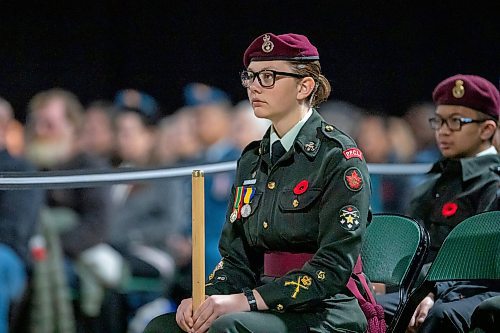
249, 193
237, 200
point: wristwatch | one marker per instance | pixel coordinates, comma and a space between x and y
251, 298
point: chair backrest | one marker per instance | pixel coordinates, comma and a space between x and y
471, 251
394, 250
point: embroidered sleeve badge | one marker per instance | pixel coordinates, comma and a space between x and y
349, 217
302, 282
352, 153
353, 179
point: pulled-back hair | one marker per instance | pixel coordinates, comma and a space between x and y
313, 69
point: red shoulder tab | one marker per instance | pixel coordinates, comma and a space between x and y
353, 153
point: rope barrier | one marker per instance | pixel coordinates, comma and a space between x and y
93, 178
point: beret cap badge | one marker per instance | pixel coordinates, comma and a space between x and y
458, 90
267, 45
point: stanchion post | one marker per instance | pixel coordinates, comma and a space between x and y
198, 237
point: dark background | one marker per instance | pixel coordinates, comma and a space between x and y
382, 57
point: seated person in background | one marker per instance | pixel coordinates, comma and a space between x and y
144, 215
55, 120
18, 217
461, 185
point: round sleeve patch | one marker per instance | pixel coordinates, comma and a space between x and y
349, 217
353, 179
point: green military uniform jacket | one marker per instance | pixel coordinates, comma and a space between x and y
315, 199
457, 189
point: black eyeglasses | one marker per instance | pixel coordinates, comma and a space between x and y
266, 77
454, 123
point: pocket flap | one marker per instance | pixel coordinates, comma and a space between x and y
290, 201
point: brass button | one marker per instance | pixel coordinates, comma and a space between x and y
295, 202
328, 128
279, 307
265, 224
271, 185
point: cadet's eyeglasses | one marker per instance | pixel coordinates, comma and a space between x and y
454, 123
266, 77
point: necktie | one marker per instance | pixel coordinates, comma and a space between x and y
277, 151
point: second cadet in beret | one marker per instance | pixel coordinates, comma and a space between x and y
460, 185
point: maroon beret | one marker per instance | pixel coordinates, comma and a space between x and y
280, 47
471, 91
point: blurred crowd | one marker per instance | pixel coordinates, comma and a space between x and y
108, 236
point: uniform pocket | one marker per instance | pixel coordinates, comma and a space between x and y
298, 216
290, 202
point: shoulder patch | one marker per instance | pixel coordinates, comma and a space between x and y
349, 217
353, 179
352, 153
250, 146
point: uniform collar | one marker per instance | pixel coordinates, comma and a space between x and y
289, 138
469, 167
490, 151
306, 138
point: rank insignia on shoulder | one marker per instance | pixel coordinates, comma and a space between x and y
352, 153
353, 179
349, 217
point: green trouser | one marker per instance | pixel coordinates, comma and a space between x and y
343, 317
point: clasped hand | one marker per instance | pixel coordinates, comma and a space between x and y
212, 308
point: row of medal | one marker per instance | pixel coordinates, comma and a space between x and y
242, 200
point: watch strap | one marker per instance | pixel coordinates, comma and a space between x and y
250, 298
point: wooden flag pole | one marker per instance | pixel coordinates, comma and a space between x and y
198, 237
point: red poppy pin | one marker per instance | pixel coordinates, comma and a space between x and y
449, 209
301, 187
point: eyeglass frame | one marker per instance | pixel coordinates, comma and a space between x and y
257, 75
461, 121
